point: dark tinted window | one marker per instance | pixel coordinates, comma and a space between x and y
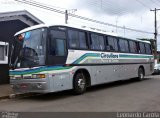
82, 40
148, 49
77, 39
142, 48
133, 46
60, 47
57, 43
123, 45
112, 44
73, 39
97, 42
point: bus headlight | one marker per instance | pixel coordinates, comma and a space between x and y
12, 77
38, 76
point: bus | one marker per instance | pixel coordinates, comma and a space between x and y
52, 58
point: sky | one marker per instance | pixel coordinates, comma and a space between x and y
133, 14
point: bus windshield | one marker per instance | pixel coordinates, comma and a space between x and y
33, 49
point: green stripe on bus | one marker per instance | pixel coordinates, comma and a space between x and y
134, 56
38, 70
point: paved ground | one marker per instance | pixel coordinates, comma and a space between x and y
119, 96
5, 91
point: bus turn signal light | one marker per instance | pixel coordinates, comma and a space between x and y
36, 76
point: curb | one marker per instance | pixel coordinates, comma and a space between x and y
21, 95
14, 96
4, 97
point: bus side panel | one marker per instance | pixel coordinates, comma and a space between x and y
60, 81
148, 69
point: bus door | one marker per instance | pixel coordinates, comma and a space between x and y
57, 46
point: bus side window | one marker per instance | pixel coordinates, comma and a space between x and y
77, 39
57, 43
83, 40
111, 44
142, 48
148, 48
97, 42
123, 44
133, 46
73, 39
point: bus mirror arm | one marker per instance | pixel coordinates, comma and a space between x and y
11, 66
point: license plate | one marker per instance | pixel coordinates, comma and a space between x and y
23, 86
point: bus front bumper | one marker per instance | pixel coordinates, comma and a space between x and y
26, 86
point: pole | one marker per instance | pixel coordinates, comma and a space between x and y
155, 34
66, 16
116, 23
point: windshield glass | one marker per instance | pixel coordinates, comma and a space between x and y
33, 48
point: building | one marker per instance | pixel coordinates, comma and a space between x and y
10, 23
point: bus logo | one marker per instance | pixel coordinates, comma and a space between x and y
108, 56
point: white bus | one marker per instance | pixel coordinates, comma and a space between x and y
62, 57
4, 52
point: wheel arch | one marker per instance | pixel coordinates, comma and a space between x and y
141, 66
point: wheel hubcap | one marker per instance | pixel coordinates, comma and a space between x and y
81, 83
141, 75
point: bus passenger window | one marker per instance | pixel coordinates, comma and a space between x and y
97, 42
73, 39
148, 48
82, 40
123, 44
77, 39
112, 44
133, 47
142, 48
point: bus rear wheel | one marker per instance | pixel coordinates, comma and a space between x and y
140, 74
79, 84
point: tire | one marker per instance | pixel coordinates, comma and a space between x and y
140, 74
79, 84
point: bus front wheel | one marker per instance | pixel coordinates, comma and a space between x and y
79, 84
140, 74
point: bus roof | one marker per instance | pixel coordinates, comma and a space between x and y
92, 29
86, 28
31, 28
